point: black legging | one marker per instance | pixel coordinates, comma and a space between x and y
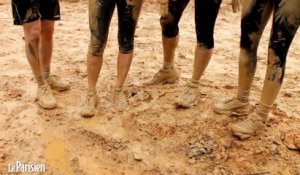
206, 12
285, 24
100, 14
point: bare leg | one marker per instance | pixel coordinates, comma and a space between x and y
255, 16
169, 48
94, 65
124, 63
46, 45
32, 31
284, 29
202, 58
32, 38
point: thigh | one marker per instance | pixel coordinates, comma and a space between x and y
25, 11
49, 9
255, 16
128, 14
285, 24
169, 23
206, 12
100, 14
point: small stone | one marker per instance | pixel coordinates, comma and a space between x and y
2, 156
288, 94
192, 161
274, 149
292, 139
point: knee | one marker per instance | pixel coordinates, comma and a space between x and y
205, 42
274, 60
126, 44
247, 59
33, 35
96, 47
169, 28
47, 32
126, 48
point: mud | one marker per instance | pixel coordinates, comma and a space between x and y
152, 136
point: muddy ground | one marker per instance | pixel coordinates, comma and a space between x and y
152, 137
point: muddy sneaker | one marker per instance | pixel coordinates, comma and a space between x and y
190, 95
45, 97
119, 99
232, 107
164, 76
89, 107
249, 127
56, 83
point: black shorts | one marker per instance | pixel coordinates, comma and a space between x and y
25, 11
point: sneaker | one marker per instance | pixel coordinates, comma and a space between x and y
120, 99
89, 107
232, 107
164, 76
189, 97
45, 97
249, 127
56, 83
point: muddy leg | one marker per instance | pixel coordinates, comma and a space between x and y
284, 28
255, 16
170, 39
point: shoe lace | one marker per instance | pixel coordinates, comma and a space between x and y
253, 121
46, 91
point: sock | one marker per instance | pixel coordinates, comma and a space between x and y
263, 110
40, 80
243, 95
46, 72
193, 83
168, 66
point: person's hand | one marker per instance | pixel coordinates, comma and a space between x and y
164, 7
236, 5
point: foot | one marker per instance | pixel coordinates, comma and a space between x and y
164, 76
56, 83
189, 97
89, 107
45, 97
232, 107
249, 127
120, 99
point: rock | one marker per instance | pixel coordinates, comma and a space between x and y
139, 153
274, 149
292, 139
192, 161
195, 151
2, 156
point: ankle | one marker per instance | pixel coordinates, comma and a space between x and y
40, 80
243, 95
92, 91
168, 66
263, 110
193, 83
46, 72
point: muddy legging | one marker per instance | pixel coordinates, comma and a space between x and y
100, 14
286, 20
206, 12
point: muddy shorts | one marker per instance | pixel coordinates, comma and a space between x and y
25, 11
100, 15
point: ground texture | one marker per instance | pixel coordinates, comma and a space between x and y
152, 137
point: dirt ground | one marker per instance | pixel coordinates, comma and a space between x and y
152, 137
